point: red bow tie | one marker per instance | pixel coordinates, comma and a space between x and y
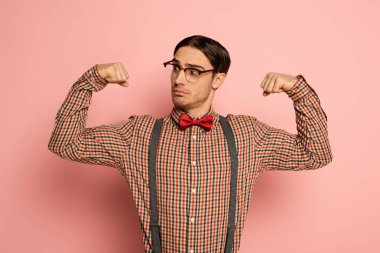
204, 122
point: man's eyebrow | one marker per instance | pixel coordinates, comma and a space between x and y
191, 65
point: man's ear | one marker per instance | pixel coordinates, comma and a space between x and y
218, 80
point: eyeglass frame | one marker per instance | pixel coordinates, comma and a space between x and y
184, 69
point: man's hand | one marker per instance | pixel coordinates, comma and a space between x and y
114, 73
276, 83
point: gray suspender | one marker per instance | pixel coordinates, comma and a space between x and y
156, 235
228, 134
152, 186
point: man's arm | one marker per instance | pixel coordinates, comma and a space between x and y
309, 149
102, 145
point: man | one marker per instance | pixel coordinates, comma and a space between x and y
194, 157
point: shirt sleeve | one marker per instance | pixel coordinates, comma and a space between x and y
102, 145
308, 149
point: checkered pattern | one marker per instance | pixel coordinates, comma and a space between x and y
192, 165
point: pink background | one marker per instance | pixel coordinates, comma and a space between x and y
53, 205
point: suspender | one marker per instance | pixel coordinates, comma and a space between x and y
156, 233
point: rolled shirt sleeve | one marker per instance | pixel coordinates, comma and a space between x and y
306, 150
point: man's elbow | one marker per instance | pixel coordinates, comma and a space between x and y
322, 161
57, 150
54, 150
51, 147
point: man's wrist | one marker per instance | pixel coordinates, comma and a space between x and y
94, 79
299, 89
97, 75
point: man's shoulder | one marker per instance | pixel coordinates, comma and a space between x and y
142, 120
240, 118
241, 123
141, 117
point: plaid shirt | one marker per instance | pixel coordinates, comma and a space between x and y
193, 166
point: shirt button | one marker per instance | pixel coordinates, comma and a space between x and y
194, 163
192, 219
194, 137
193, 190
191, 251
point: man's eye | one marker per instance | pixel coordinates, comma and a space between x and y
176, 67
194, 72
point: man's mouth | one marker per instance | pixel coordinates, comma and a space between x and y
179, 92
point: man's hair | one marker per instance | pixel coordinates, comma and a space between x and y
214, 51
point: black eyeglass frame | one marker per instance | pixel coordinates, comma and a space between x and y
180, 68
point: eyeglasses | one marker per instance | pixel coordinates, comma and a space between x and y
191, 74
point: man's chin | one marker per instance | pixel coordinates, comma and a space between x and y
180, 102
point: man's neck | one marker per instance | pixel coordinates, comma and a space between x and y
198, 112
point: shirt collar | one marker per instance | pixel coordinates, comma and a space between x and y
176, 114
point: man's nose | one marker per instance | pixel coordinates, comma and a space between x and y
181, 78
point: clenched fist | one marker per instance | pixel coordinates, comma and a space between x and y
276, 83
114, 73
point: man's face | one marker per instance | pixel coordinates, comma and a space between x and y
197, 93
